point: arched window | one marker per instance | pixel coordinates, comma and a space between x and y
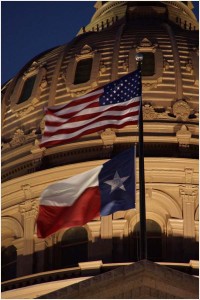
154, 241
83, 71
74, 246
8, 263
27, 89
148, 64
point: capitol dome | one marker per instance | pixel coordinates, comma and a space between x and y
166, 33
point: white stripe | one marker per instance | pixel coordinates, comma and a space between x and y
73, 109
65, 136
89, 120
67, 191
94, 110
58, 107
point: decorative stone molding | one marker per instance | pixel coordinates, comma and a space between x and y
36, 151
27, 191
175, 227
34, 66
43, 83
165, 64
188, 192
18, 138
146, 45
149, 85
149, 112
86, 50
13, 225
29, 208
183, 136
90, 265
188, 175
120, 228
103, 68
125, 65
42, 124
30, 107
5, 146
189, 67
108, 136
181, 109
82, 91
93, 229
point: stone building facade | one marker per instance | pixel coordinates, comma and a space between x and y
166, 32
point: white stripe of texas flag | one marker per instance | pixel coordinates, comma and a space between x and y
73, 187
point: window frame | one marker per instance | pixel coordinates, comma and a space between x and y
81, 88
22, 90
34, 70
146, 46
76, 71
148, 52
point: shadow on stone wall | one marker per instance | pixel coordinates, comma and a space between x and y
107, 250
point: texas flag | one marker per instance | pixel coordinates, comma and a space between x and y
79, 199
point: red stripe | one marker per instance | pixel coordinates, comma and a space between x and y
93, 115
103, 118
53, 218
74, 102
71, 114
89, 131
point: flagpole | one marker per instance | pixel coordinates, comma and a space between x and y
143, 238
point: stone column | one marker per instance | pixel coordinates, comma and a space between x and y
28, 209
175, 239
39, 255
106, 238
188, 193
19, 245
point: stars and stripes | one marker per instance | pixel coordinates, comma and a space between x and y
112, 106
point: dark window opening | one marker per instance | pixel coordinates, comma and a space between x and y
83, 71
154, 241
74, 247
27, 89
8, 263
148, 64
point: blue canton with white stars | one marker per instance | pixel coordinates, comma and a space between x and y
122, 90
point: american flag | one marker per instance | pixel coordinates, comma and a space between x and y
114, 105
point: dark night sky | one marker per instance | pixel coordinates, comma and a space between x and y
31, 27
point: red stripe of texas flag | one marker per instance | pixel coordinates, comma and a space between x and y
52, 218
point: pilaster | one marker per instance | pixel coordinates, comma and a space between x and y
188, 194
114, 66
28, 209
177, 65
106, 238
39, 252
19, 245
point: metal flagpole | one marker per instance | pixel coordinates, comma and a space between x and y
143, 238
